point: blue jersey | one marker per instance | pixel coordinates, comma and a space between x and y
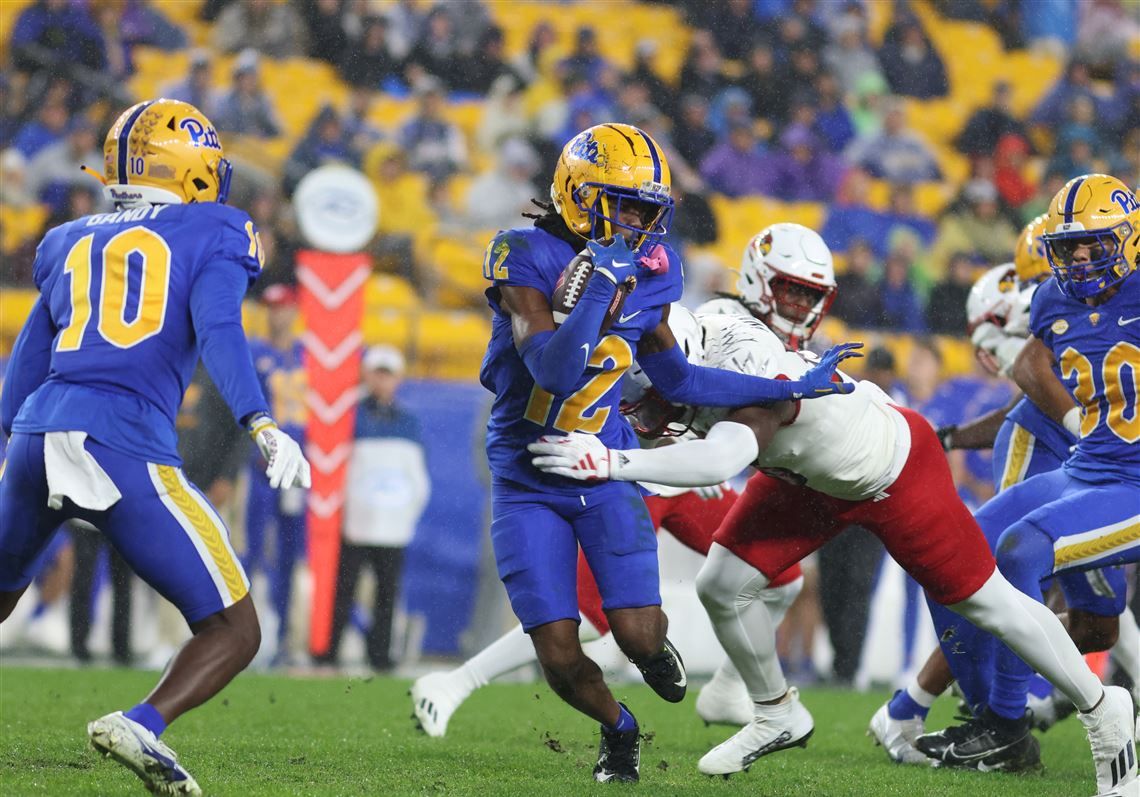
523, 411
284, 382
132, 295
1098, 352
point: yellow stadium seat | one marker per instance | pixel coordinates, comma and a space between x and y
17, 225
450, 345
389, 292
15, 304
392, 327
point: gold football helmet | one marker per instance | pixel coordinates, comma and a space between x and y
1100, 213
165, 151
609, 167
1029, 254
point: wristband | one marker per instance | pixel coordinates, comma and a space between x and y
1072, 422
258, 421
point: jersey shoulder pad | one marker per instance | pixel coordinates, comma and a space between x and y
741, 344
50, 255
1047, 308
514, 257
237, 238
723, 305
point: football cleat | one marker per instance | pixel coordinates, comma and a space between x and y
619, 756
985, 743
1111, 729
435, 697
724, 701
764, 734
897, 737
664, 672
141, 751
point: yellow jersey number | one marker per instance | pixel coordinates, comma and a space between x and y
613, 356
111, 296
1122, 420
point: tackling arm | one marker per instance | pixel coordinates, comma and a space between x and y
728, 448
29, 365
681, 382
1033, 373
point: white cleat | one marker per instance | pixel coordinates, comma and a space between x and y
724, 701
764, 734
435, 697
142, 752
1111, 729
897, 737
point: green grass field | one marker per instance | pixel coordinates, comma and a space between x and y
269, 735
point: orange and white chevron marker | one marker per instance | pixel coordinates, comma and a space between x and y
332, 307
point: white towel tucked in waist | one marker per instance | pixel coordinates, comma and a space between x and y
73, 473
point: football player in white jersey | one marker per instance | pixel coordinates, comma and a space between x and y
821, 466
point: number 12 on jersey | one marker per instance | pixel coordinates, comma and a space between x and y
578, 412
151, 252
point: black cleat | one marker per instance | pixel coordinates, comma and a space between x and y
986, 743
664, 673
619, 756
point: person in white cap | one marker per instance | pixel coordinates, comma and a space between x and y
386, 492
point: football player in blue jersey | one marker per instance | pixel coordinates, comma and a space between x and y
1085, 514
611, 198
1025, 442
128, 302
282, 375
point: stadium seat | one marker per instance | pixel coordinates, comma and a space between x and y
392, 327
450, 345
17, 225
389, 292
14, 308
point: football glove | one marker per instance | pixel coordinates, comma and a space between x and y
612, 259
819, 381
576, 456
287, 464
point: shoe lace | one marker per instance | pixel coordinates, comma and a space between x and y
970, 727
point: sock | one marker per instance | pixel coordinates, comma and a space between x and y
509, 652
147, 716
775, 711
905, 706
625, 721
1126, 651
1039, 687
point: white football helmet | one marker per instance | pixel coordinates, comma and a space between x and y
993, 297
650, 414
787, 280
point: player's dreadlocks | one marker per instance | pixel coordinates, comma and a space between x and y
551, 221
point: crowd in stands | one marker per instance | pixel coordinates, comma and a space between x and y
783, 99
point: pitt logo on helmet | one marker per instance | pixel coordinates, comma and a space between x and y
607, 177
1092, 236
165, 151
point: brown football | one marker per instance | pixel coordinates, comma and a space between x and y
571, 284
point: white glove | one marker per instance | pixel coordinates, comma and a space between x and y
576, 456
287, 464
713, 492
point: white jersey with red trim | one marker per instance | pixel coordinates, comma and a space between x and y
850, 446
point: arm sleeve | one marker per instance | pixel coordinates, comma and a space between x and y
215, 305
557, 359
681, 382
726, 450
29, 364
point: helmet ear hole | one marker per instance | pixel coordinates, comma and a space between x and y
200, 184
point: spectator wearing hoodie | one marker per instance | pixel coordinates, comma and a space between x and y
896, 153
911, 65
247, 108
737, 166
801, 171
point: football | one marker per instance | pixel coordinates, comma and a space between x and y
572, 283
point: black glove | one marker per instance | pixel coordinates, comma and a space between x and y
946, 436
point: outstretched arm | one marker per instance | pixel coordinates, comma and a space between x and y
681, 382
29, 364
728, 448
979, 433
215, 307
